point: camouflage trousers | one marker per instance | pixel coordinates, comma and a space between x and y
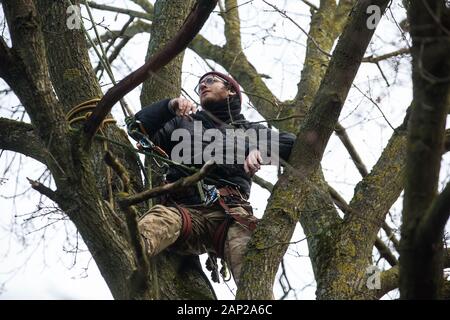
161, 226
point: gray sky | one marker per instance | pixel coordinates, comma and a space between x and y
35, 264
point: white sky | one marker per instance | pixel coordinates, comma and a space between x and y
36, 265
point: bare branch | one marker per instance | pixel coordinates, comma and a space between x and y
385, 252
232, 27
20, 137
263, 183
49, 193
281, 12
390, 278
383, 249
28, 75
192, 26
386, 56
136, 28
306, 155
342, 134
118, 48
391, 235
131, 13
144, 4
422, 234
170, 187
434, 220
389, 281
6, 58
311, 5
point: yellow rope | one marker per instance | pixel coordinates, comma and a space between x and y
85, 106
89, 106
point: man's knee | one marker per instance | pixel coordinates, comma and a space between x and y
160, 227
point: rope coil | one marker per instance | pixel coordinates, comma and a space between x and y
71, 118
88, 105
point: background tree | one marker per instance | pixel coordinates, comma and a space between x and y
47, 66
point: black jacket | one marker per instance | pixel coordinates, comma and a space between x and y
160, 123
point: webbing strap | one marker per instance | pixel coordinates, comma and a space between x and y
186, 220
220, 234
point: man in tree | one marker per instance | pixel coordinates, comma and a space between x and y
221, 222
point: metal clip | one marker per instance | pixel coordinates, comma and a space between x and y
211, 195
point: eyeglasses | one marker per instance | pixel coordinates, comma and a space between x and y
209, 81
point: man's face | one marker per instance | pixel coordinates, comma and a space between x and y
212, 89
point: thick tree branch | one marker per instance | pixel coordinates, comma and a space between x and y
383, 249
437, 216
385, 252
170, 19
28, 75
321, 121
377, 191
232, 27
390, 279
20, 137
326, 25
192, 26
341, 133
422, 234
306, 155
6, 59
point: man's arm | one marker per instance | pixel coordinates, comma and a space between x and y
156, 115
285, 141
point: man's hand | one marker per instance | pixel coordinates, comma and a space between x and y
181, 106
253, 162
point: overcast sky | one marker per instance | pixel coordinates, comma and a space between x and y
37, 263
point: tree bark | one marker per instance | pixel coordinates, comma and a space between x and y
279, 220
424, 214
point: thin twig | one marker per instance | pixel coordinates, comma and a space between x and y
376, 105
131, 13
283, 13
